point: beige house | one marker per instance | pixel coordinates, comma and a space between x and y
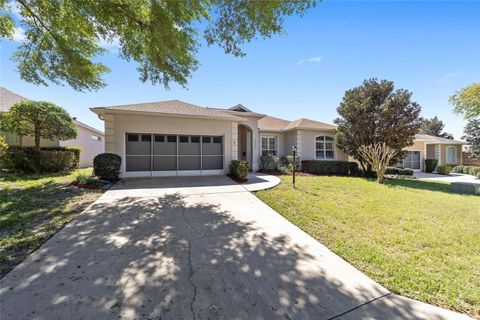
171, 138
88, 138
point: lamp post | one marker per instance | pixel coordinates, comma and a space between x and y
294, 150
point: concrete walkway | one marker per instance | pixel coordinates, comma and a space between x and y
192, 248
452, 177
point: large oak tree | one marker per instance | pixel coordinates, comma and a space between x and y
63, 37
376, 113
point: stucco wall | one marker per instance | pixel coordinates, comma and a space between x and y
308, 144
28, 141
430, 151
116, 126
90, 148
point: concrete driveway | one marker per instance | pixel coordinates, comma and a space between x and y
192, 248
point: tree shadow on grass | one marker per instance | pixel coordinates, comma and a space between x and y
175, 257
416, 184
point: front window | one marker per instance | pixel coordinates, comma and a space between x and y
324, 148
451, 155
269, 146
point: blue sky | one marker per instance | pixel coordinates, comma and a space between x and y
430, 48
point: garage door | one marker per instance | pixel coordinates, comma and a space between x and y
170, 155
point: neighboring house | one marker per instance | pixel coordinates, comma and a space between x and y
88, 138
446, 151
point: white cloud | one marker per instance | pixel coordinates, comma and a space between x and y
310, 60
448, 76
19, 34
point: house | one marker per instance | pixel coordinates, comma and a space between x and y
88, 138
170, 138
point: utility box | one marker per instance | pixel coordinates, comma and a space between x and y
466, 187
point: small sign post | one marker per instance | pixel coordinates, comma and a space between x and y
294, 150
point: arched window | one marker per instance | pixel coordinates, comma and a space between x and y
324, 149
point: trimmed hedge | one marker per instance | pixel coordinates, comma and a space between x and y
430, 165
444, 169
399, 171
474, 171
76, 151
269, 163
239, 169
107, 166
288, 162
458, 169
43, 160
342, 168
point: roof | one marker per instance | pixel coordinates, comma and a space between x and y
436, 140
9, 98
276, 124
272, 124
81, 124
171, 107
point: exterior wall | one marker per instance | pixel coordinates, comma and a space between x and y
307, 144
116, 126
469, 162
443, 154
90, 147
419, 146
28, 141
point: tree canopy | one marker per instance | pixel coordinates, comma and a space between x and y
467, 101
39, 119
472, 136
63, 38
376, 113
434, 127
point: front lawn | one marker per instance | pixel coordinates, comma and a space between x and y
414, 237
33, 208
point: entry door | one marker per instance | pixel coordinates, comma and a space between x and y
412, 160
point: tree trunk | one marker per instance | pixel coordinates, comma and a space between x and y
37, 141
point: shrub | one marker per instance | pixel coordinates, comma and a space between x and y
405, 172
330, 167
76, 151
107, 166
478, 175
239, 169
32, 160
270, 163
444, 169
474, 170
457, 169
82, 178
288, 162
392, 170
3, 146
466, 169
430, 165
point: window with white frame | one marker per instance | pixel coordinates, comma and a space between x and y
324, 149
451, 154
269, 146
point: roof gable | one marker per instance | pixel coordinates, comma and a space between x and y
8, 99
239, 108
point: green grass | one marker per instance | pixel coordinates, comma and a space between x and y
414, 237
33, 208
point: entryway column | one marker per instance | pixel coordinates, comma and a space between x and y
234, 140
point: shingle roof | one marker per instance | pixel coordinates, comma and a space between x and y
304, 123
173, 107
434, 139
275, 124
272, 124
8, 98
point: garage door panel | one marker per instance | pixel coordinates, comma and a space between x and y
212, 145
188, 163
165, 163
138, 163
212, 162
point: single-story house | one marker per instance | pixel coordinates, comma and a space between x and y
88, 138
170, 138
